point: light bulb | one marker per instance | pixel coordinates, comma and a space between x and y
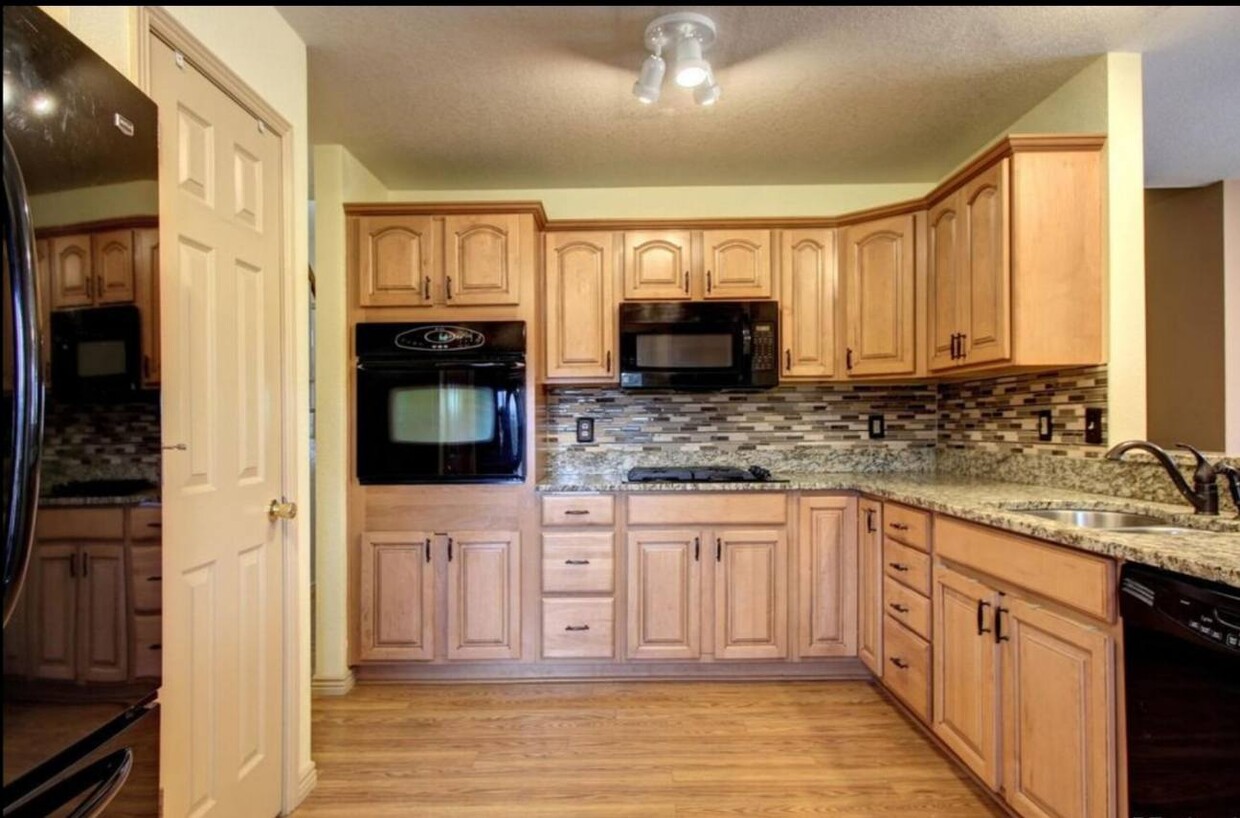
650, 83
691, 69
708, 92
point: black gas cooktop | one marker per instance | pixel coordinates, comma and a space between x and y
701, 474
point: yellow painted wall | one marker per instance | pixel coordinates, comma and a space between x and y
109, 30
94, 204
1231, 311
338, 178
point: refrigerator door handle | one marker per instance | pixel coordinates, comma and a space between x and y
96, 784
22, 482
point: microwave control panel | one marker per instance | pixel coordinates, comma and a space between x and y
764, 346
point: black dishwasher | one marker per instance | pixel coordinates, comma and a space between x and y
1182, 686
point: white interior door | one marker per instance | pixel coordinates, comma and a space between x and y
223, 579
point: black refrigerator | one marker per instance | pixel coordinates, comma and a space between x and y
80, 162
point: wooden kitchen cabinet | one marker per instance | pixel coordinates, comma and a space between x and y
944, 282
72, 272
395, 261
103, 612
827, 577
397, 596
664, 594
51, 587
737, 264
146, 296
880, 298
870, 584
484, 595
657, 265
966, 666
580, 306
113, 266
482, 260
751, 600
807, 304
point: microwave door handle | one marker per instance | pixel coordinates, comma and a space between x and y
22, 482
746, 342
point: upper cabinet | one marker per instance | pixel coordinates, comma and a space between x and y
807, 304
113, 266
146, 296
1015, 273
680, 265
482, 260
72, 272
395, 261
880, 293
580, 305
91, 269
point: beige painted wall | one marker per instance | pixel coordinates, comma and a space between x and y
338, 178
1184, 289
1231, 311
96, 203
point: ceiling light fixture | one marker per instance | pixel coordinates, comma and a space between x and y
687, 35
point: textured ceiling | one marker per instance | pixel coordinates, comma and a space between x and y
520, 96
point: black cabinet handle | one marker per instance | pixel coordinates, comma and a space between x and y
426, 289
448, 287
609, 360
955, 335
156, 646
576, 627
576, 562
787, 360
869, 521
897, 607
982, 605
899, 566
73, 564
848, 358
697, 549
577, 512
708, 281
899, 526
963, 337
999, 612
449, 549
686, 281
900, 663
428, 549
156, 578
718, 549
154, 525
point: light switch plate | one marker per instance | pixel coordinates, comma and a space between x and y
585, 430
1046, 425
878, 427
1093, 425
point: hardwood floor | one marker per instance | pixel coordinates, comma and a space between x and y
648, 749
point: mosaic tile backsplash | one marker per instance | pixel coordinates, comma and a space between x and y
105, 441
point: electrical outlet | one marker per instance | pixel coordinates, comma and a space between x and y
585, 430
878, 427
1046, 425
1093, 425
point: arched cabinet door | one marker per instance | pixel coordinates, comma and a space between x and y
113, 267
395, 261
946, 284
581, 305
987, 301
482, 260
736, 264
657, 265
72, 276
807, 304
879, 288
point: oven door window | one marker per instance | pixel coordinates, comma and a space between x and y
445, 424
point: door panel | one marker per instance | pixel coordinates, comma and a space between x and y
870, 585
880, 290
656, 265
665, 594
1058, 678
581, 305
808, 303
397, 596
482, 260
73, 283
396, 261
828, 576
146, 296
966, 684
113, 267
751, 599
484, 595
737, 263
52, 587
987, 300
220, 183
103, 610
946, 281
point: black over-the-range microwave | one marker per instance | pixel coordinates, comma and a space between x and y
713, 345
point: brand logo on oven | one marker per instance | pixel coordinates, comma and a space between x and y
440, 339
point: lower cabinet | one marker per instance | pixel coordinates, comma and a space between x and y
1024, 696
665, 582
870, 584
751, 599
398, 596
827, 577
484, 599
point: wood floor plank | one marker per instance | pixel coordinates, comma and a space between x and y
628, 749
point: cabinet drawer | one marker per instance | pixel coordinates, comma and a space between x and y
579, 509
906, 666
907, 606
582, 563
732, 508
146, 565
148, 660
908, 525
579, 628
91, 524
146, 523
1081, 581
906, 565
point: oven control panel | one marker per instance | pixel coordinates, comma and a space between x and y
764, 354
440, 339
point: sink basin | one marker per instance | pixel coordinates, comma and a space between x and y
1105, 520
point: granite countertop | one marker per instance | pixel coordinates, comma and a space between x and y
141, 498
1209, 554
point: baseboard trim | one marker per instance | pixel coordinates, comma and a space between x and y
333, 687
309, 779
819, 670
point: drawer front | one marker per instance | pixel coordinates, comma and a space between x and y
713, 509
146, 523
907, 566
91, 524
580, 563
1082, 581
148, 660
910, 526
579, 628
146, 565
906, 666
579, 509
907, 606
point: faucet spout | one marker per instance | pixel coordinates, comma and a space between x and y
1203, 494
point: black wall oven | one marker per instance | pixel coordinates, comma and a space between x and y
441, 403
715, 345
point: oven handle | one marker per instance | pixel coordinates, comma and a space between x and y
430, 366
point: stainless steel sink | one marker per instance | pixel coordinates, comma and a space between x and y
1105, 520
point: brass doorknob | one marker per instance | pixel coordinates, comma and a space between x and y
281, 511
